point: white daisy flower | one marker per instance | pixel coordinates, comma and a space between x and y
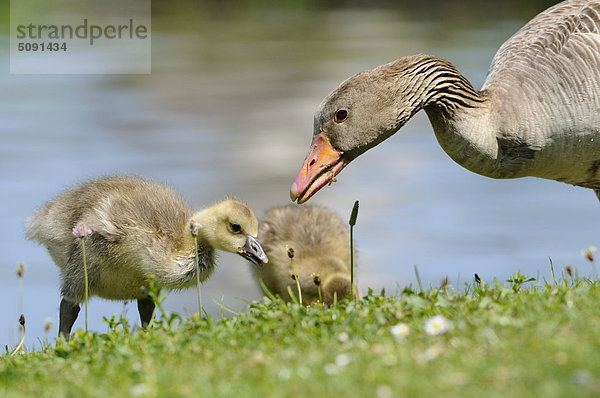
342, 360
343, 337
437, 325
400, 331
331, 369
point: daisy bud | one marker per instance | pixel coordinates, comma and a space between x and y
81, 230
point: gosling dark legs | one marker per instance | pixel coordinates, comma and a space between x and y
69, 312
67, 317
146, 309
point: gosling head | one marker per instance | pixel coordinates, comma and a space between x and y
230, 226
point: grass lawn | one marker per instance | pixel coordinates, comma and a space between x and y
515, 339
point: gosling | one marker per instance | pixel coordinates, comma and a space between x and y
138, 228
312, 243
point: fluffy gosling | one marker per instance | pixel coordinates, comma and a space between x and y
320, 241
139, 228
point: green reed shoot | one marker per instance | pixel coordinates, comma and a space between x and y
352, 223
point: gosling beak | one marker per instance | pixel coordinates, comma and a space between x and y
253, 251
320, 167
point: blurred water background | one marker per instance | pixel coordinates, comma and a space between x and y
228, 110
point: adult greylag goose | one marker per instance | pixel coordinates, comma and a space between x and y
310, 242
537, 114
137, 228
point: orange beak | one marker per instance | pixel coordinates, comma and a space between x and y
320, 167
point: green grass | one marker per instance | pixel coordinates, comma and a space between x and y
506, 341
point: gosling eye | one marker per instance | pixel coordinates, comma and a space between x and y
235, 227
340, 115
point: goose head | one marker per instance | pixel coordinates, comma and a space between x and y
230, 226
360, 113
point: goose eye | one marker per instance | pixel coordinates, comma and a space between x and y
340, 115
236, 228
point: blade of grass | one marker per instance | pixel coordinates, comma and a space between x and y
552, 270
266, 290
418, 278
292, 295
224, 307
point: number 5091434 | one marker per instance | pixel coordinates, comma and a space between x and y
42, 46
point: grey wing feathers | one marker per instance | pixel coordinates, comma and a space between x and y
570, 29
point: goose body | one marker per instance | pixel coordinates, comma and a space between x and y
138, 228
537, 114
320, 242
